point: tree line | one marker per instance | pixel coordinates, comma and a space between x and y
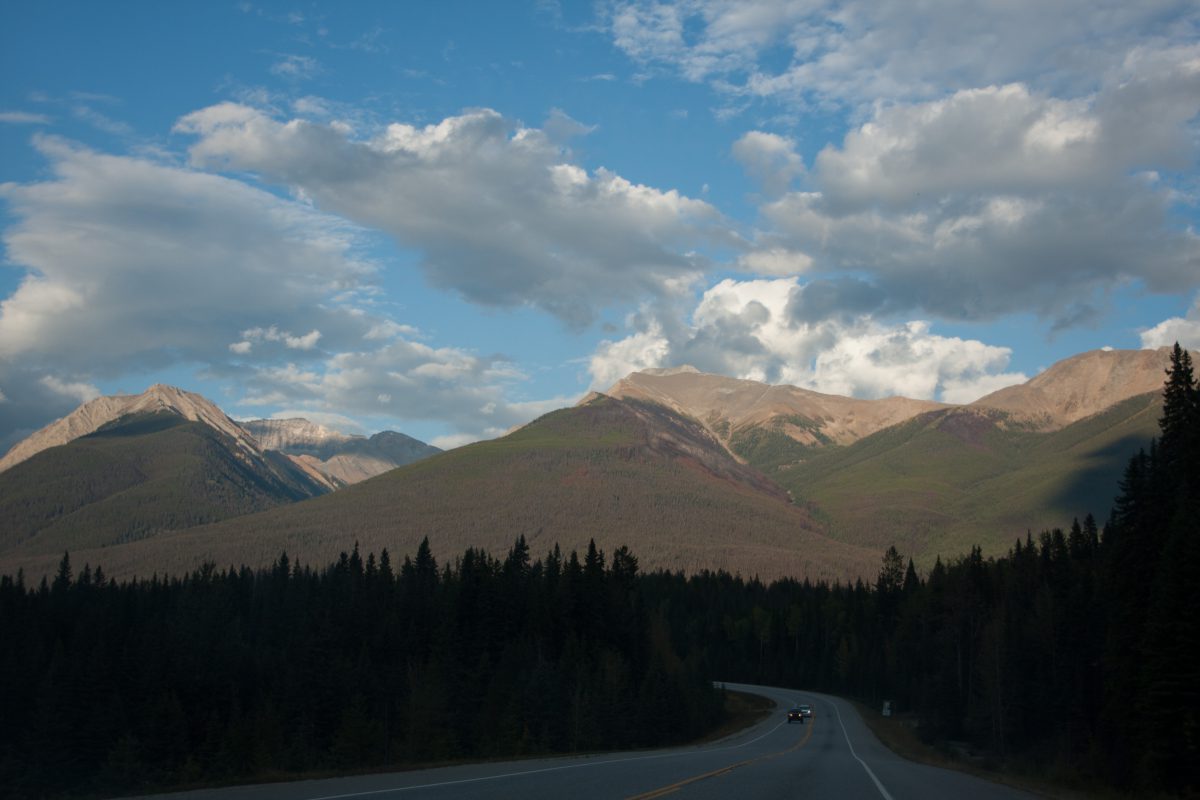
1076, 654
238, 674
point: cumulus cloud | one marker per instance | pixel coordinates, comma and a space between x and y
1000, 199
856, 51
1185, 330
1009, 140
614, 360
770, 159
499, 212
746, 329
133, 264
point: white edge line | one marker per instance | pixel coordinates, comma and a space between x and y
871, 774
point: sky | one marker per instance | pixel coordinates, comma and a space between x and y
450, 218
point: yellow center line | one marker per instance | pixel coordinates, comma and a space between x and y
675, 787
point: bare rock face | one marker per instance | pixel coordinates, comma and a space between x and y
297, 434
334, 458
727, 405
94, 414
1067, 392
1081, 386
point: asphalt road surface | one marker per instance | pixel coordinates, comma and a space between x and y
833, 755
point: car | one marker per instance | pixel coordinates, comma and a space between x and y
796, 714
805, 710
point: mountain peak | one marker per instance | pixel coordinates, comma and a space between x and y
732, 407
94, 414
1082, 385
340, 458
295, 432
682, 369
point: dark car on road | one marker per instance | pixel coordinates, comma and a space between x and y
796, 714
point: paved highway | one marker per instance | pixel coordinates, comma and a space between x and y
833, 755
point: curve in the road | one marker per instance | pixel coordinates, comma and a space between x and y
768, 760
655, 793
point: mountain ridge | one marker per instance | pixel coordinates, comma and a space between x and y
96, 413
1066, 392
619, 472
1080, 386
338, 458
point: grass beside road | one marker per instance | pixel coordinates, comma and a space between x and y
741, 711
899, 734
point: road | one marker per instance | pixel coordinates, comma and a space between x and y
834, 755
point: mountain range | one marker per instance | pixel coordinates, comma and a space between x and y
334, 458
935, 479
692, 471
130, 467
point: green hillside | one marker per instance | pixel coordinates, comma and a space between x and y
620, 472
135, 478
951, 479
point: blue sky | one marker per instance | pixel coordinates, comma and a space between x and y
449, 218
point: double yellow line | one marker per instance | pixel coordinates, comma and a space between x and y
675, 787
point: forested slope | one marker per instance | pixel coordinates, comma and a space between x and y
136, 477
618, 472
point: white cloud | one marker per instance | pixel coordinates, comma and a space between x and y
498, 211
641, 350
101, 121
23, 118
858, 51
999, 199
272, 334
77, 391
775, 261
1185, 330
1007, 139
971, 388
770, 159
453, 440
746, 329
137, 264
403, 380
298, 67
133, 265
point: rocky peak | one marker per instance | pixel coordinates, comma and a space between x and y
94, 414
1081, 386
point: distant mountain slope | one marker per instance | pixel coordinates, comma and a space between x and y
94, 414
339, 458
1081, 386
951, 479
621, 472
767, 425
929, 477
138, 476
